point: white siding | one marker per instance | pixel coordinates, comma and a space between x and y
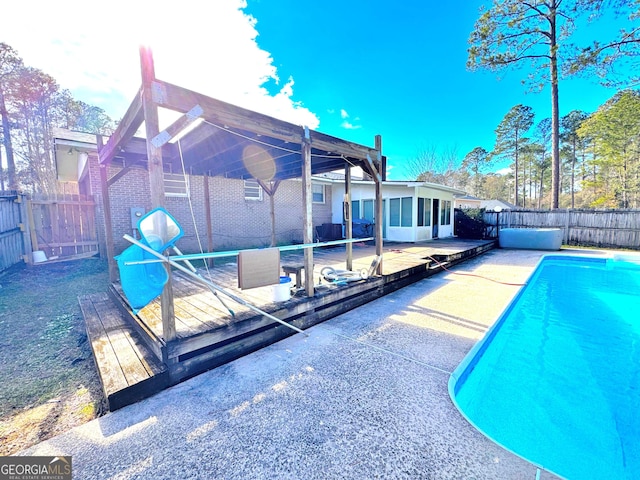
360, 192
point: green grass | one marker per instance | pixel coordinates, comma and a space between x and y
44, 351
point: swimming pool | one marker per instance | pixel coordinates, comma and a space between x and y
556, 380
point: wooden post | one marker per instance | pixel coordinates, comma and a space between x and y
29, 237
272, 211
207, 214
271, 189
347, 214
156, 178
106, 210
32, 227
379, 219
307, 212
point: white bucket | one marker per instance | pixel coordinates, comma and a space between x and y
39, 256
282, 291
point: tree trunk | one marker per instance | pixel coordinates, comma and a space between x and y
1, 174
515, 189
573, 174
555, 115
12, 183
540, 192
625, 198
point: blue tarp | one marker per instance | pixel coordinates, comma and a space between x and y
362, 228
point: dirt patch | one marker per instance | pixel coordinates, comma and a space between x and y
49, 380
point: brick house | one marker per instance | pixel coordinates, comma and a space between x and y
240, 210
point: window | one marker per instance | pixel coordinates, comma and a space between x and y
355, 209
400, 212
406, 215
424, 212
445, 213
176, 185
252, 190
317, 191
367, 210
394, 212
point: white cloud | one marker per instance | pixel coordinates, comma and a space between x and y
350, 126
504, 171
209, 47
346, 123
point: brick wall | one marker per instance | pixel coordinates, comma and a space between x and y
235, 221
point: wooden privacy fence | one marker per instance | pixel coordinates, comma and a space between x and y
13, 225
595, 228
64, 225
61, 226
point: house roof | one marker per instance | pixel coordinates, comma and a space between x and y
496, 203
468, 197
339, 179
434, 186
67, 147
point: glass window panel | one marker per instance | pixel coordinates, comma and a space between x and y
406, 212
252, 190
427, 212
394, 212
367, 210
355, 209
318, 193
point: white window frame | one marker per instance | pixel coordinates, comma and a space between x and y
426, 212
251, 186
313, 192
445, 212
401, 201
175, 184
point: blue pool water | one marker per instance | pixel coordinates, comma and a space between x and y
557, 378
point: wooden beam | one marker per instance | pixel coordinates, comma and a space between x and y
156, 179
271, 191
338, 146
379, 220
371, 168
106, 209
224, 114
117, 176
126, 129
177, 127
307, 212
347, 214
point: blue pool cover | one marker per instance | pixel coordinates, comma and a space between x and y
557, 379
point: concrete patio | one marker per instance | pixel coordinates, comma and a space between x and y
364, 396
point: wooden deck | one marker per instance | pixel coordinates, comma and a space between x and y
135, 361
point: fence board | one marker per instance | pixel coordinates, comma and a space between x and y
61, 226
65, 224
11, 243
594, 228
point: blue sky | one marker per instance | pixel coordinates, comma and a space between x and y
351, 69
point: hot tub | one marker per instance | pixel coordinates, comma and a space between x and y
531, 238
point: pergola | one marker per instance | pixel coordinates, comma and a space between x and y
217, 138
